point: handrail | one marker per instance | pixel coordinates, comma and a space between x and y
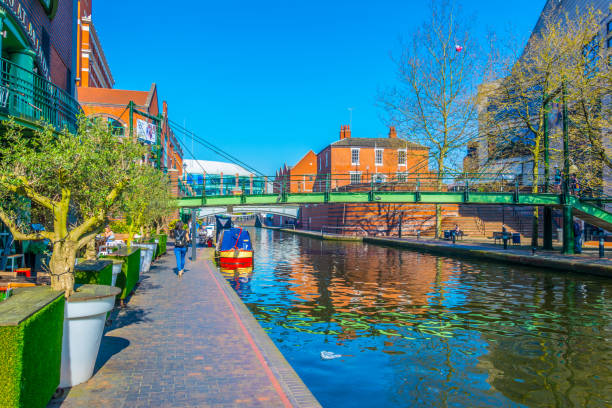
343, 228
29, 96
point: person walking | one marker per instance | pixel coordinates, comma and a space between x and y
181, 242
577, 237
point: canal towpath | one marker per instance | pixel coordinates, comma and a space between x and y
187, 342
588, 262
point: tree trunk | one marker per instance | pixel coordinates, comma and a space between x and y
90, 250
61, 266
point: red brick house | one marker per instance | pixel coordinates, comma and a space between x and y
354, 160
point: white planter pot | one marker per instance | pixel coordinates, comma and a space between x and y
84, 316
116, 271
146, 256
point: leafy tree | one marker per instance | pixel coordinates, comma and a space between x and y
72, 182
150, 202
433, 103
516, 113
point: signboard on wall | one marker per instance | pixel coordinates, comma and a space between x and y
145, 131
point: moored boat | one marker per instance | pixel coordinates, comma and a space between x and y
234, 248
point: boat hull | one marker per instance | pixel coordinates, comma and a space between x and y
236, 258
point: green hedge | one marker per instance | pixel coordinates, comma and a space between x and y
161, 246
94, 272
31, 326
130, 270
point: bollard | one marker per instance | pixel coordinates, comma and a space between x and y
454, 237
505, 241
418, 234
533, 250
601, 246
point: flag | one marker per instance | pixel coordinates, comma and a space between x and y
458, 48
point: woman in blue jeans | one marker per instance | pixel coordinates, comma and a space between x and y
181, 242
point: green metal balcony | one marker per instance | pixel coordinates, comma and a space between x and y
30, 99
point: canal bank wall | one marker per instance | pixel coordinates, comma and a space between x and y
548, 260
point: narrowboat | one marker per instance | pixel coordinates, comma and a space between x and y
234, 248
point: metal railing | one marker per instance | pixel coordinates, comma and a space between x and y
352, 182
30, 97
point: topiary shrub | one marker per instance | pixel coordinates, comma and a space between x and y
31, 326
130, 270
95, 272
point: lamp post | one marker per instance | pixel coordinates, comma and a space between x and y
547, 244
568, 231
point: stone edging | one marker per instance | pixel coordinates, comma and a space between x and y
540, 261
299, 395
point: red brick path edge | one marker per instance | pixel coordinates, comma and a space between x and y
187, 342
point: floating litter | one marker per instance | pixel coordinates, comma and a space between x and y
328, 355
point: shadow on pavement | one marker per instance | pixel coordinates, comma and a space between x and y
109, 346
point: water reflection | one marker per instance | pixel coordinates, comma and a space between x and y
430, 331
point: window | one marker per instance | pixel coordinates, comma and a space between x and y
326, 153
401, 157
609, 26
356, 176
379, 178
402, 177
609, 42
354, 156
378, 157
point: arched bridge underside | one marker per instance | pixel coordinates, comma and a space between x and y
290, 211
273, 203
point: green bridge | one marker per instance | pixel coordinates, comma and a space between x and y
465, 189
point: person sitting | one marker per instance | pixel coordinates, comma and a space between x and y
109, 235
457, 232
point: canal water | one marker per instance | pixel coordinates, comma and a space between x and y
415, 329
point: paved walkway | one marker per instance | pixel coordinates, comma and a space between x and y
187, 342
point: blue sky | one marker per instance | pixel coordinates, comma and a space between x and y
268, 80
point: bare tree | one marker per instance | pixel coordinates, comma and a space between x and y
433, 104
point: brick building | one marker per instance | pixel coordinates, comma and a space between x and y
39, 37
300, 178
353, 160
92, 69
118, 106
38, 62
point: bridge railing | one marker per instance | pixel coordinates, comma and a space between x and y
361, 181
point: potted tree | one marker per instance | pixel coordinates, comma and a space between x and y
151, 201
73, 182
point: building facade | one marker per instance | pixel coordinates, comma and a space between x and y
38, 62
92, 69
354, 161
211, 178
299, 178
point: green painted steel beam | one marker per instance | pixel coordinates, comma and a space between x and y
425, 197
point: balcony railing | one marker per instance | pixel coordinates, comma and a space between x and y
30, 97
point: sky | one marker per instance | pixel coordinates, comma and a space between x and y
269, 80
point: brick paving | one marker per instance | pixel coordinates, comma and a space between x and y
184, 343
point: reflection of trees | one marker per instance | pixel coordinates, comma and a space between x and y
553, 354
539, 337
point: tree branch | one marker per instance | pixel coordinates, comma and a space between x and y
26, 189
20, 236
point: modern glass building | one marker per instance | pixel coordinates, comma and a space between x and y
220, 178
